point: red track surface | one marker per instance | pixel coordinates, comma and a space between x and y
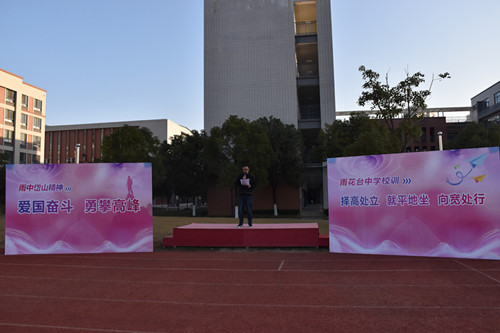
247, 291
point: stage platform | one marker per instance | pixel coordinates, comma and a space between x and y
260, 235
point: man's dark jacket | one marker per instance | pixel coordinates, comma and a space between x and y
243, 189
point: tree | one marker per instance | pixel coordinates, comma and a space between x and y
162, 186
185, 167
130, 144
401, 101
235, 143
476, 136
494, 134
287, 149
373, 139
333, 139
359, 135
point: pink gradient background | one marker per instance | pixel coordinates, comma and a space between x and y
436, 231
78, 232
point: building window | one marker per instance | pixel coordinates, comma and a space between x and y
22, 158
35, 159
24, 120
486, 103
10, 96
37, 105
431, 134
495, 119
37, 123
8, 137
497, 98
10, 156
25, 101
37, 142
9, 116
24, 140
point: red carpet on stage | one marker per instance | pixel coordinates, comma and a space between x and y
260, 235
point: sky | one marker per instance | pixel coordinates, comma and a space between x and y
124, 60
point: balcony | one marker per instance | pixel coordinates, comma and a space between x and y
305, 28
310, 112
487, 111
307, 69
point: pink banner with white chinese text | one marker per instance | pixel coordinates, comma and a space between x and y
78, 208
437, 204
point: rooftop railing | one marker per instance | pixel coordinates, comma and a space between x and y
307, 69
485, 111
305, 28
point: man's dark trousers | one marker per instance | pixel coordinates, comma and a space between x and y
245, 200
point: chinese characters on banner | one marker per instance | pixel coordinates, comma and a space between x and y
78, 208
441, 203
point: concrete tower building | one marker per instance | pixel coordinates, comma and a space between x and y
271, 58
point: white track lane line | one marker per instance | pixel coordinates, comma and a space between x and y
477, 271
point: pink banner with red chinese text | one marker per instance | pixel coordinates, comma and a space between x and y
78, 208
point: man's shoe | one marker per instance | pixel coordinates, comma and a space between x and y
239, 226
250, 226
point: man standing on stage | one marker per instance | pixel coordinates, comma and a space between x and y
245, 183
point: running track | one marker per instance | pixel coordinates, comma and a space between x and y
247, 291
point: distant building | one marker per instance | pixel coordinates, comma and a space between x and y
22, 126
62, 140
429, 140
486, 105
448, 120
457, 114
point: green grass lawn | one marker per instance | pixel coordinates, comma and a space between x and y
164, 225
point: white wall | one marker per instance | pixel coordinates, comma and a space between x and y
249, 61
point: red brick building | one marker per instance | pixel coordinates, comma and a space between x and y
61, 141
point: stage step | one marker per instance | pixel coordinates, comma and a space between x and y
260, 235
